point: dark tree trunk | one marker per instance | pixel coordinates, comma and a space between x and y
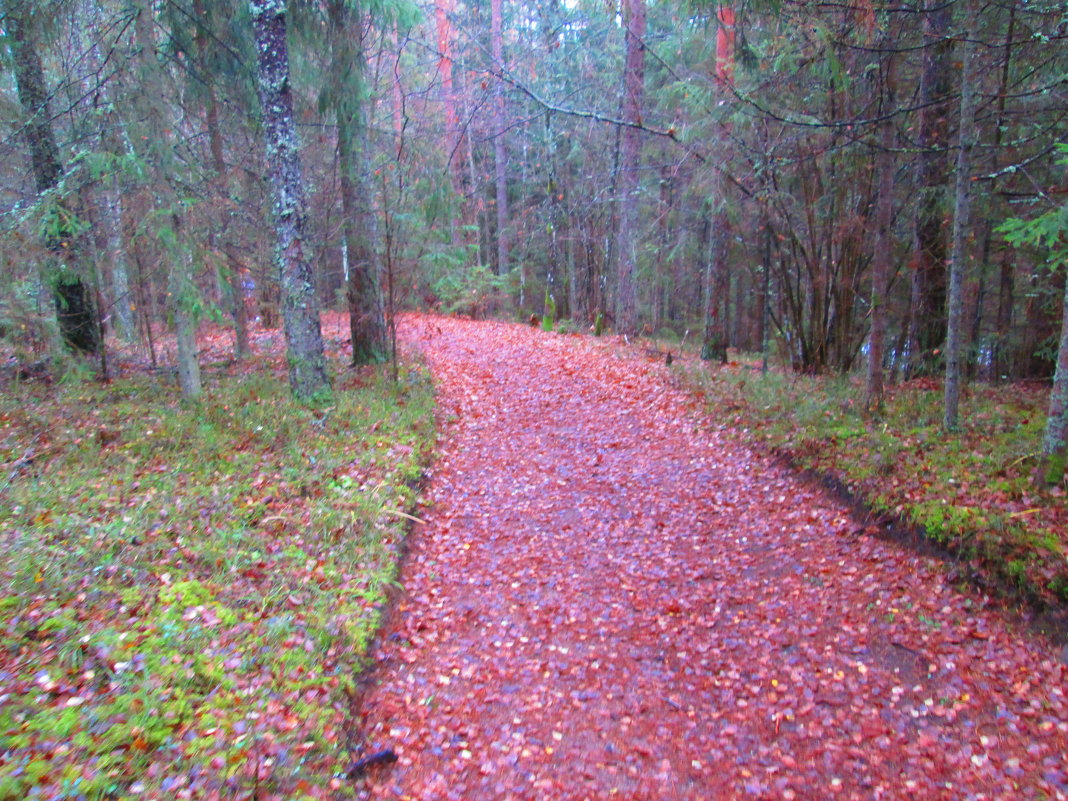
882, 255
962, 205
158, 151
928, 321
367, 323
73, 297
1001, 358
500, 153
716, 284
300, 304
630, 160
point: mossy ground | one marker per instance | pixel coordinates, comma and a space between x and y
188, 590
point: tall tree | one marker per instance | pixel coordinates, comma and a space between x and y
104, 195
1055, 441
882, 256
157, 147
928, 309
715, 277
70, 273
500, 152
962, 206
300, 303
630, 154
346, 94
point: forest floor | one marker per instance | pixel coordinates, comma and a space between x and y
188, 590
614, 597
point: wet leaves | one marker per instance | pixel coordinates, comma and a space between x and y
612, 598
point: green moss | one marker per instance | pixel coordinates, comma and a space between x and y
205, 563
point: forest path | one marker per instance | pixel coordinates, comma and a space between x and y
613, 600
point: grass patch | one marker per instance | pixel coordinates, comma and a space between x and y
970, 492
188, 593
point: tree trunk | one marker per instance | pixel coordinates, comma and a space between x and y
716, 283
300, 304
630, 163
961, 219
500, 153
184, 323
1001, 359
180, 287
928, 318
120, 270
1055, 441
883, 243
71, 294
442, 11
367, 323
114, 269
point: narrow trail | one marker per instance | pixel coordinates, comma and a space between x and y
613, 600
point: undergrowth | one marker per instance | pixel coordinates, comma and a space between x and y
187, 592
970, 492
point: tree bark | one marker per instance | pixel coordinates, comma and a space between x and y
961, 219
97, 103
300, 304
1055, 441
367, 323
630, 163
883, 242
442, 11
1000, 362
715, 282
716, 279
72, 296
927, 324
1001, 358
500, 153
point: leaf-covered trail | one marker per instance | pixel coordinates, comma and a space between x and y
611, 599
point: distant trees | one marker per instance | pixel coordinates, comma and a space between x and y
782, 173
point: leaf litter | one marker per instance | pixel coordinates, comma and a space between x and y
613, 598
